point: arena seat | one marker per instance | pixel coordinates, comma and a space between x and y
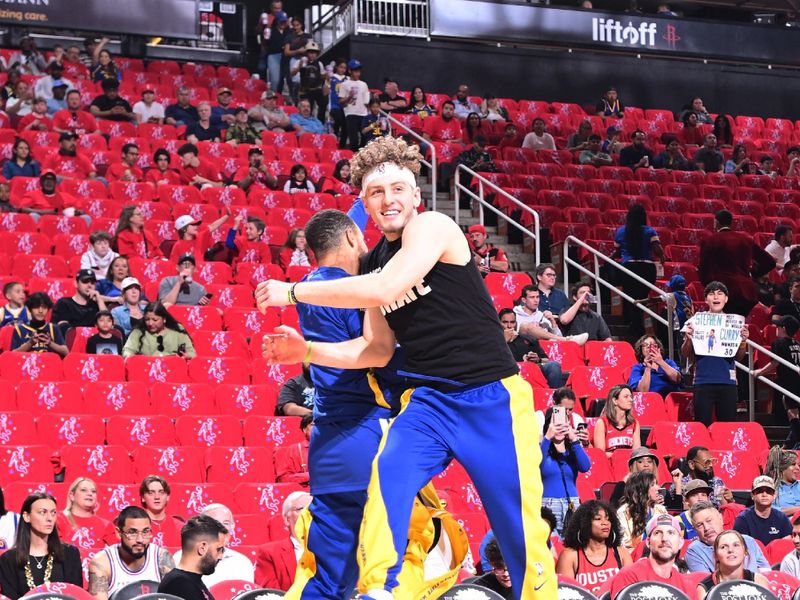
16, 427
153, 369
741, 437
229, 344
140, 431
15, 492
38, 397
117, 398
111, 463
175, 463
56, 430
265, 499
177, 399
674, 439
239, 464
190, 499
272, 431
216, 370
91, 368
14, 242
594, 382
206, 431
251, 322
588, 483
648, 408
610, 354
275, 375
30, 366
25, 463
736, 468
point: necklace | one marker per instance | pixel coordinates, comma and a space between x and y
39, 563
48, 572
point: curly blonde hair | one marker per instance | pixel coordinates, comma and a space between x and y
381, 150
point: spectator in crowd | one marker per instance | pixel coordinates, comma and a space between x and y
535, 323
488, 257
335, 112
691, 134
765, 167
148, 110
158, 334
729, 555
181, 289
617, 428
79, 515
476, 157
492, 111
99, 256
419, 104
663, 541
539, 139
107, 340
233, 564
47, 200
110, 286
304, 122
723, 130
593, 154
780, 245
21, 163
563, 458
59, 100
529, 350
8, 89
696, 106
298, 181
787, 348
565, 397
580, 318
248, 245
643, 499
700, 464
263, 30
127, 169
14, 311
782, 467
131, 239
707, 521
5, 197
471, 128
296, 251
197, 171
695, 491
110, 105
20, 103
497, 579
104, 67
73, 119
277, 39
162, 173
194, 238
202, 548
80, 310
131, 312
241, 132
72, 63
550, 297
714, 376
133, 558
37, 119
592, 553
610, 105
28, 59
203, 130
791, 562
734, 260
38, 556
354, 97
294, 50
38, 334
761, 521
739, 163
462, 104
443, 128
374, 125
89, 44
641, 459
793, 156
67, 162
296, 398
44, 87
9, 521
612, 144
182, 112
222, 114
672, 158
709, 159
314, 80
291, 462
276, 561
339, 183
788, 306
637, 155
653, 373
579, 141
266, 116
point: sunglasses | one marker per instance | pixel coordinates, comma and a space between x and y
160, 342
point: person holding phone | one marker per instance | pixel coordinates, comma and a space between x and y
643, 500
565, 398
159, 334
181, 289
38, 335
654, 373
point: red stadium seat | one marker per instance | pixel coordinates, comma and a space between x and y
610, 354
263, 498
25, 463
91, 368
137, 431
648, 408
507, 283
251, 322
736, 468
108, 399
70, 245
38, 397
112, 498
194, 318
228, 297
177, 399
17, 222
239, 464
150, 270
52, 225
674, 439
595, 477
531, 373
16, 492
17, 427
54, 287
57, 430
568, 354
275, 375
209, 273
110, 463
39, 265
13, 242
219, 370
742, 437
206, 431
190, 499
272, 431
594, 382
680, 406
174, 463
246, 400
30, 366
220, 343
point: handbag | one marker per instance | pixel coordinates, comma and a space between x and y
570, 505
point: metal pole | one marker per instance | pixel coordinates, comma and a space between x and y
596, 283
457, 195
670, 332
566, 266
751, 384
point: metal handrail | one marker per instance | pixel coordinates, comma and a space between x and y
599, 256
479, 198
431, 164
749, 368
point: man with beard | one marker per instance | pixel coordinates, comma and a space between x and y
701, 466
47, 200
664, 540
202, 546
67, 162
79, 310
133, 559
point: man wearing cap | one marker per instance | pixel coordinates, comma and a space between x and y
761, 521
354, 98
197, 171
539, 139
193, 238
44, 87
313, 79
181, 289
47, 200
488, 257
695, 491
127, 170
241, 132
707, 521
267, 116
256, 174
182, 112
131, 311
664, 542
80, 309
67, 162
147, 110
222, 114
110, 105
303, 121
73, 119
278, 36
59, 100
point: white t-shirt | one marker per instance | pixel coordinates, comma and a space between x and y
8, 530
155, 110
534, 142
360, 91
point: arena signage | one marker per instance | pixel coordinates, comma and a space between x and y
166, 18
506, 21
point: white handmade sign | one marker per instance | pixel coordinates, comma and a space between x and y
716, 334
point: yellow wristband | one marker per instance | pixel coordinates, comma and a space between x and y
309, 347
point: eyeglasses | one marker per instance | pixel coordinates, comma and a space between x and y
500, 570
707, 462
549, 274
160, 342
132, 534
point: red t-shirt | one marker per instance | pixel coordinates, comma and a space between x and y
37, 200
143, 244
204, 169
196, 247
117, 171
33, 117
79, 122
618, 438
166, 533
87, 533
251, 252
169, 177
75, 166
642, 570
258, 182
441, 130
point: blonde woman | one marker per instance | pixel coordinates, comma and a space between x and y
78, 519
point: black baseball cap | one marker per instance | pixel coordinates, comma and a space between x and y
187, 257
86, 274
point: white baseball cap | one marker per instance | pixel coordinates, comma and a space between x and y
185, 220
128, 282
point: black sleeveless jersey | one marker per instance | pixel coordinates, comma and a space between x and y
446, 324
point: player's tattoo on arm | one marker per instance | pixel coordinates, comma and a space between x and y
165, 562
98, 582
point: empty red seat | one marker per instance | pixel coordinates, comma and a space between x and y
600, 472
113, 497
263, 498
753, 194
220, 343
174, 463
14, 242
742, 437
226, 297
36, 397
175, 399
648, 408
275, 375
150, 270
272, 431
110, 463
737, 468
190, 499
59, 430
136, 431
17, 427
568, 354
680, 190
91, 368
25, 463
251, 322
508, 283
674, 439
117, 398
682, 253
30, 366
55, 287
610, 354
153, 369
39, 265
219, 370
206, 431
194, 318
239, 464
594, 382
246, 400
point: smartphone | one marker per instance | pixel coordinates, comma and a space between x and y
662, 492
209, 296
559, 415
582, 426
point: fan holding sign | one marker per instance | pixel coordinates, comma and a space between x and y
715, 340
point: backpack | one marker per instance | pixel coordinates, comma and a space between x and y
311, 77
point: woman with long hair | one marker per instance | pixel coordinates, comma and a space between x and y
473, 126
739, 162
159, 334
80, 511
38, 557
419, 105
110, 287
641, 502
617, 427
730, 555
592, 552
653, 373
104, 66
132, 239
723, 129
339, 183
492, 111
298, 181
783, 468
21, 163
296, 251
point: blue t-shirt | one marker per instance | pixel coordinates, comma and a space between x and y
646, 249
774, 527
307, 124
788, 495
336, 81
30, 169
659, 382
714, 370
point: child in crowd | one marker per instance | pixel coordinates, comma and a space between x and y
99, 257
249, 245
39, 335
298, 181
15, 310
374, 125
105, 341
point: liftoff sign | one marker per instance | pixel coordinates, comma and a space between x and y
716, 334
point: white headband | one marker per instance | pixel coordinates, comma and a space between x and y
389, 169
